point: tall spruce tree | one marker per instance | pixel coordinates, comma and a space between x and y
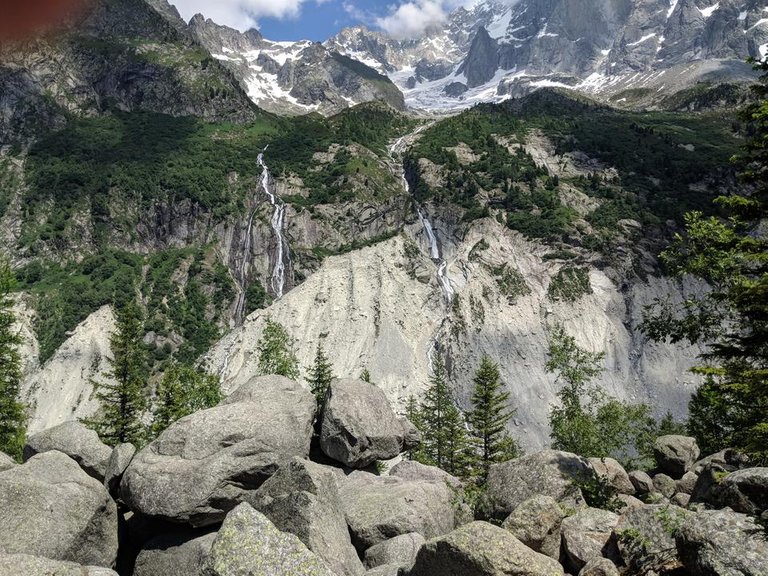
183, 390
123, 399
277, 352
12, 412
413, 413
489, 417
320, 374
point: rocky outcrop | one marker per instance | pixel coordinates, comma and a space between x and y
481, 549
550, 473
482, 61
50, 507
358, 426
76, 441
248, 543
536, 523
721, 542
203, 465
675, 455
302, 499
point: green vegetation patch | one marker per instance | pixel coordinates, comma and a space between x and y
569, 284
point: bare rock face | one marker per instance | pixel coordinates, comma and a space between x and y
548, 472
248, 543
26, 565
378, 508
358, 425
76, 441
536, 523
746, 491
50, 507
722, 542
6, 462
203, 465
302, 498
481, 549
675, 455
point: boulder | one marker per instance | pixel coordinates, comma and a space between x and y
681, 500
664, 485
536, 523
687, 483
26, 565
206, 463
599, 567
746, 491
76, 441
50, 507
6, 462
481, 549
675, 455
411, 434
549, 472
642, 482
728, 460
399, 551
385, 570
116, 465
249, 544
708, 488
611, 471
181, 553
378, 508
645, 535
302, 499
722, 543
588, 534
628, 502
411, 470
358, 425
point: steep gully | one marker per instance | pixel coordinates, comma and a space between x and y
435, 252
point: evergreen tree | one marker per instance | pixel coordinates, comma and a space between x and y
12, 412
731, 255
182, 391
320, 374
123, 401
365, 376
489, 417
276, 352
413, 413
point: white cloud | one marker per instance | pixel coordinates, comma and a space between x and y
413, 19
240, 14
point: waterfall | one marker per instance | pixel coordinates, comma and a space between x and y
282, 253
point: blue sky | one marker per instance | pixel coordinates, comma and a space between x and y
320, 19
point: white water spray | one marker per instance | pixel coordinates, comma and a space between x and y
282, 252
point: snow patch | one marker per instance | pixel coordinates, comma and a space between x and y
707, 12
643, 39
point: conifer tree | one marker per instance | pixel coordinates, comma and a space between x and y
12, 412
320, 374
276, 352
489, 417
365, 376
413, 413
123, 400
183, 391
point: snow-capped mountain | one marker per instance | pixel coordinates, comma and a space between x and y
603, 47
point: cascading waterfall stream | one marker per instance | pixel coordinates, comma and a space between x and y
282, 253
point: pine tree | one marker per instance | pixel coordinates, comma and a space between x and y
124, 401
276, 352
413, 413
320, 374
12, 411
365, 376
489, 417
183, 391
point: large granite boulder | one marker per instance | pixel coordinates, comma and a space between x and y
613, 473
378, 508
746, 491
599, 567
302, 498
412, 470
26, 565
399, 551
50, 507
675, 455
664, 485
481, 549
722, 543
117, 464
588, 534
641, 481
206, 463
536, 523
6, 462
645, 536
249, 544
549, 472
358, 425
181, 553
728, 460
76, 441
